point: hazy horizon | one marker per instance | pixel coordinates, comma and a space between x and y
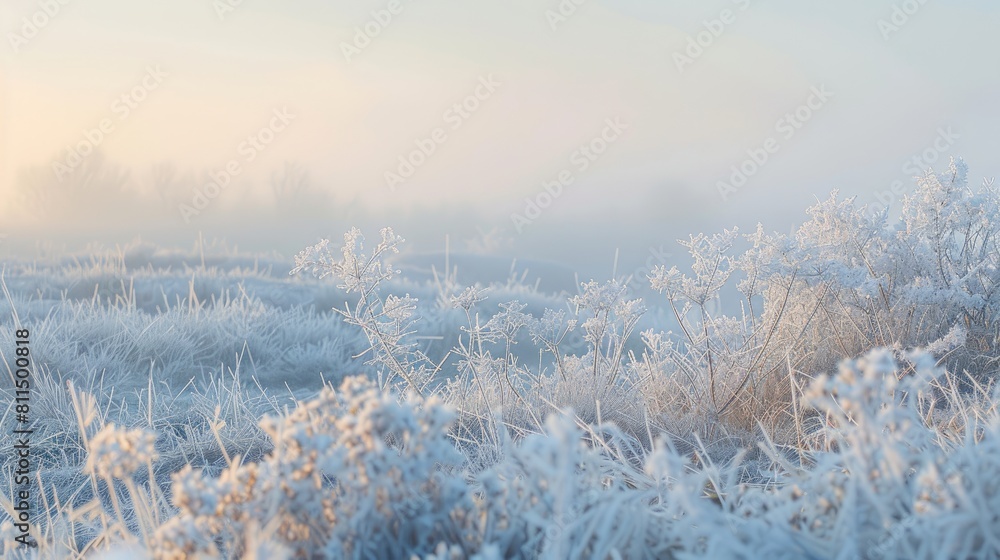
333, 112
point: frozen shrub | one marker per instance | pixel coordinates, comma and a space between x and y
846, 282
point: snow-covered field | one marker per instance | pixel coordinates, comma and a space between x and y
210, 404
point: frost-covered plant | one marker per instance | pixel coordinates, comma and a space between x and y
608, 320
119, 453
386, 321
906, 285
495, 383
354, 473
846, 282
720, 367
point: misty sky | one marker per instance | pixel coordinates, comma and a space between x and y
348, 107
